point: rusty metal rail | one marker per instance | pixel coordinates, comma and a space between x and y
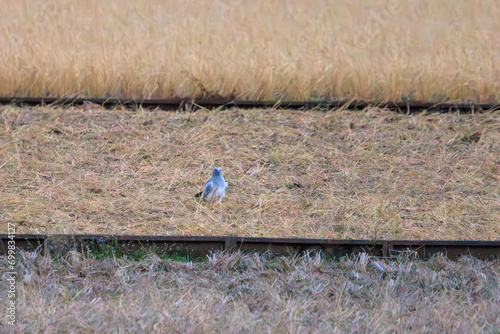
211, 103
200, 246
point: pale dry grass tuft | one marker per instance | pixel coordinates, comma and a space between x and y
255, 294
423, 50
336, 174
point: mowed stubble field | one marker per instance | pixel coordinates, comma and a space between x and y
335, 174
235, 293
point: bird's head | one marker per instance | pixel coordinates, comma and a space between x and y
217, 171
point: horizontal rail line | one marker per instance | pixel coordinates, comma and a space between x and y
200, 246
212, 103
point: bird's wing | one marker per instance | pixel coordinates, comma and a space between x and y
208, 188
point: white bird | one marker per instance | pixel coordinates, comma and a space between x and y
215, 188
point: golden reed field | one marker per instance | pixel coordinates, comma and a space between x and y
420, 50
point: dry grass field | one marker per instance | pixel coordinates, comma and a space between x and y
255, 294
370, 174
336, 174
422, 50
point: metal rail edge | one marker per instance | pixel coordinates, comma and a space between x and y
200, 246
213, 103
